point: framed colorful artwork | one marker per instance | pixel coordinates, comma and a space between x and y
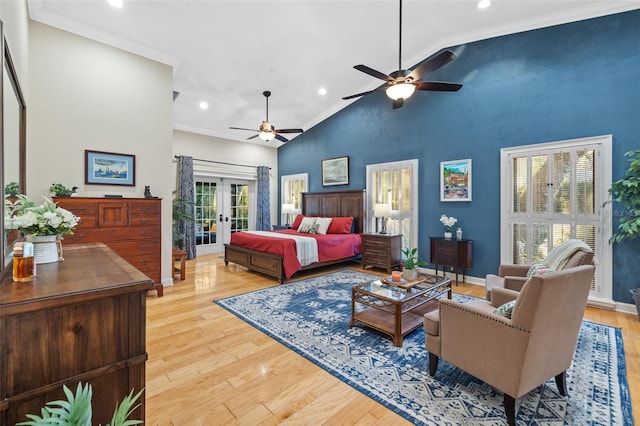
455, 180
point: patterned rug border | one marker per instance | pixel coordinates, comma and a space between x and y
626, 415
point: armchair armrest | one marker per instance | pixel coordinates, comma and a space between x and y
513, 270
500, 296
514, 283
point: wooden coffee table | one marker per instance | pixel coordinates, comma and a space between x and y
397, 309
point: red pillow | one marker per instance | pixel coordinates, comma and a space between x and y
340, 225
297, 222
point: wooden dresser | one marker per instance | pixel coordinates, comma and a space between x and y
457, 254
130, 226
78, 320
381, 250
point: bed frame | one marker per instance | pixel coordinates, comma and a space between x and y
334, 203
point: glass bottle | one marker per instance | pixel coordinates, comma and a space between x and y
23, 262
459, 233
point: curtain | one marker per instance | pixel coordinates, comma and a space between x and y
263, 210
184, 193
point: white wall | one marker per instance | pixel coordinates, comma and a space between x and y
86, 95
224, 150
15, 20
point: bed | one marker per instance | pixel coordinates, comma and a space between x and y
251, 251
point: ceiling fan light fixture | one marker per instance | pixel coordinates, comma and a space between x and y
266, 135
400, 91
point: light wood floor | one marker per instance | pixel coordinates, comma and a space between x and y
208, 367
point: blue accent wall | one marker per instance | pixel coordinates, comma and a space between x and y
564, 82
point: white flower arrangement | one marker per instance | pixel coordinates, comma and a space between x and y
32, 219
448, 222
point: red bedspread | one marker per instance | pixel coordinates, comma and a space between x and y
330, 247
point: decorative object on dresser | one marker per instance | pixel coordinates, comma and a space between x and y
381, 251
382, 210
130, 226
109, 168
59, 190
457, 254
448, 223
455, 180
410, 263
78, 320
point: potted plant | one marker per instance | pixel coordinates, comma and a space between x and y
410, 263
11, 189
626, 192
59, 190
76, 410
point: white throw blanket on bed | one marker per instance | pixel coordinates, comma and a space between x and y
306, 247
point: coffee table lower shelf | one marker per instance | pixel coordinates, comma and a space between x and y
386, 323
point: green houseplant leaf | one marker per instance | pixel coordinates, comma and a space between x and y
626, 193
411, 260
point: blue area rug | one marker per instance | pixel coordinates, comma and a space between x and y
311, 317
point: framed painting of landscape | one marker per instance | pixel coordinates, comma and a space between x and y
109, 168
335, 171
455, 180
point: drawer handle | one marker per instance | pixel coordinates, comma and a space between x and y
144, 262
145, 234
145, 220
77, 237
144, 247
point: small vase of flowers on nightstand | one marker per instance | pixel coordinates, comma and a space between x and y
448, 222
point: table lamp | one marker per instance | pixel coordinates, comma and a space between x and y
287, 209
382, 210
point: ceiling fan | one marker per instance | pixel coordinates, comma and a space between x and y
402, 83
267, 131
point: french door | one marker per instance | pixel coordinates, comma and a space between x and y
554, 193
221, 207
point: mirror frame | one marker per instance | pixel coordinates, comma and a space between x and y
9, 66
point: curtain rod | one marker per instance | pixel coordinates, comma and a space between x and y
220, 162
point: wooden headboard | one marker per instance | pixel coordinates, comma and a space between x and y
336, 203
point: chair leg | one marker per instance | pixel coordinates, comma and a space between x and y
433, 364
510, 409
561, 382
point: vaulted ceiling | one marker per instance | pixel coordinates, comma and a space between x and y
226, 53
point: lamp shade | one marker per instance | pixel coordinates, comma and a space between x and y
266, 136
287, 208
381, 210
400, 91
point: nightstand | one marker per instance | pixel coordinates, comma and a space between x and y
280, 227
381, 250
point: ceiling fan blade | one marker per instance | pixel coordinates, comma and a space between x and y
398, 104
432, 64
242, 128
281, 138
364, 93
373, 73
437, 86
252, 137
289, 131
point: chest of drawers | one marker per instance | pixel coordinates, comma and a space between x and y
457, 254
129, 226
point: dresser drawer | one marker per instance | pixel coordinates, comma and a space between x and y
373, 243
134, 247
106, 235
144, 208
137, 220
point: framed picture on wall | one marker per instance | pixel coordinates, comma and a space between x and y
455, 180
109, 168
335, 171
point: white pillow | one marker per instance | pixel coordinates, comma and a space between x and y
323, 225
306, 224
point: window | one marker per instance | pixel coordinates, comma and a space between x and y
395, 183
290, 188
555, 192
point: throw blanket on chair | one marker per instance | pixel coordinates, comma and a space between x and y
306, 247
559, 256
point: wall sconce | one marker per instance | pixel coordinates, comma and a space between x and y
287, 209
382, 210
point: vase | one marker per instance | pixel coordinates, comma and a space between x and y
47, 249
448, 235
409, 274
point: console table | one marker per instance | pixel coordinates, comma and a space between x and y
457, 254
82, 319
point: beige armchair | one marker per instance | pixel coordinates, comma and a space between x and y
517, 354
568, 254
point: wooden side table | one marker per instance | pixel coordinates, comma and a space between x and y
381, 250
457, 254
180, 256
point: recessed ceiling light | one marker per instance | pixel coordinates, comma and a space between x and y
482, 4
322, 91
116, 3
204, 105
